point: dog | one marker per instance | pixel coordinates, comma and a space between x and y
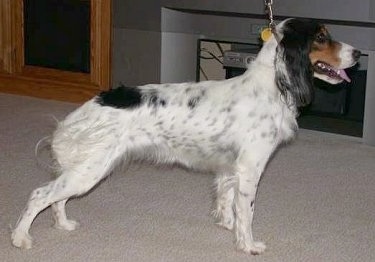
229, 127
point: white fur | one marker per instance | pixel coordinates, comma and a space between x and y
234, 128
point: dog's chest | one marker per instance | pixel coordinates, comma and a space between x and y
287, 124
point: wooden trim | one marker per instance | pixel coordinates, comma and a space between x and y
7, 36
4, 42
47, 89
53, 83
56, 75
101, 32
18, 36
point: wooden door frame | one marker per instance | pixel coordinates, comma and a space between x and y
7, 41
18, 78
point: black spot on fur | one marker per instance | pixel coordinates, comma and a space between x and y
120, 97
244, 194
193, 102
154, 100
226, 109
213, 122
163, 103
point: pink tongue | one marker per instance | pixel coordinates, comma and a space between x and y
343, 75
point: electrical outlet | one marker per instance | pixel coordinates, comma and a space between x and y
257, 28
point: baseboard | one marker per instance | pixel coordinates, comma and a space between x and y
48, 89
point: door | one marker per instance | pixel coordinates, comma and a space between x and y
55, 49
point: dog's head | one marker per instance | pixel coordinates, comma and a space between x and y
305, 49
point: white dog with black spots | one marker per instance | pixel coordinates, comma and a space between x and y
228, 127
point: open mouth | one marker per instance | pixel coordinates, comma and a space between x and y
326, 69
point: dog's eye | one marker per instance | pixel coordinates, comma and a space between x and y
321, 38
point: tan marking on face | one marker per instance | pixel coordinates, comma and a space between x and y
326, 51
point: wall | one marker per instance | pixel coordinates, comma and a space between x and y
138, 15
348, 10
136, 51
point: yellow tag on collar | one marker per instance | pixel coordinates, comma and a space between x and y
266, 34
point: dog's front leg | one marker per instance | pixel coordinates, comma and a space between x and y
249, 169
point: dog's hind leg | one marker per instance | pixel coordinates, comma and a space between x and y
224, 201
59, 214
71, 183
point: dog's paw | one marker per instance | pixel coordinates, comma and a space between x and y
21, 240
68, 225
253, 248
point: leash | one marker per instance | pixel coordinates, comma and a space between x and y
271, 29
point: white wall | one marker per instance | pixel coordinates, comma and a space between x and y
135, 57
178, 57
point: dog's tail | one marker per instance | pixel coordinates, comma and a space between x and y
44, 143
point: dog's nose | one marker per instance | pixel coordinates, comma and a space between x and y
356, 54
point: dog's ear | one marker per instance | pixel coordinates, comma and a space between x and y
294, 72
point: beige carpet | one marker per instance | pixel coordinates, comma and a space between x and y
316, 202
